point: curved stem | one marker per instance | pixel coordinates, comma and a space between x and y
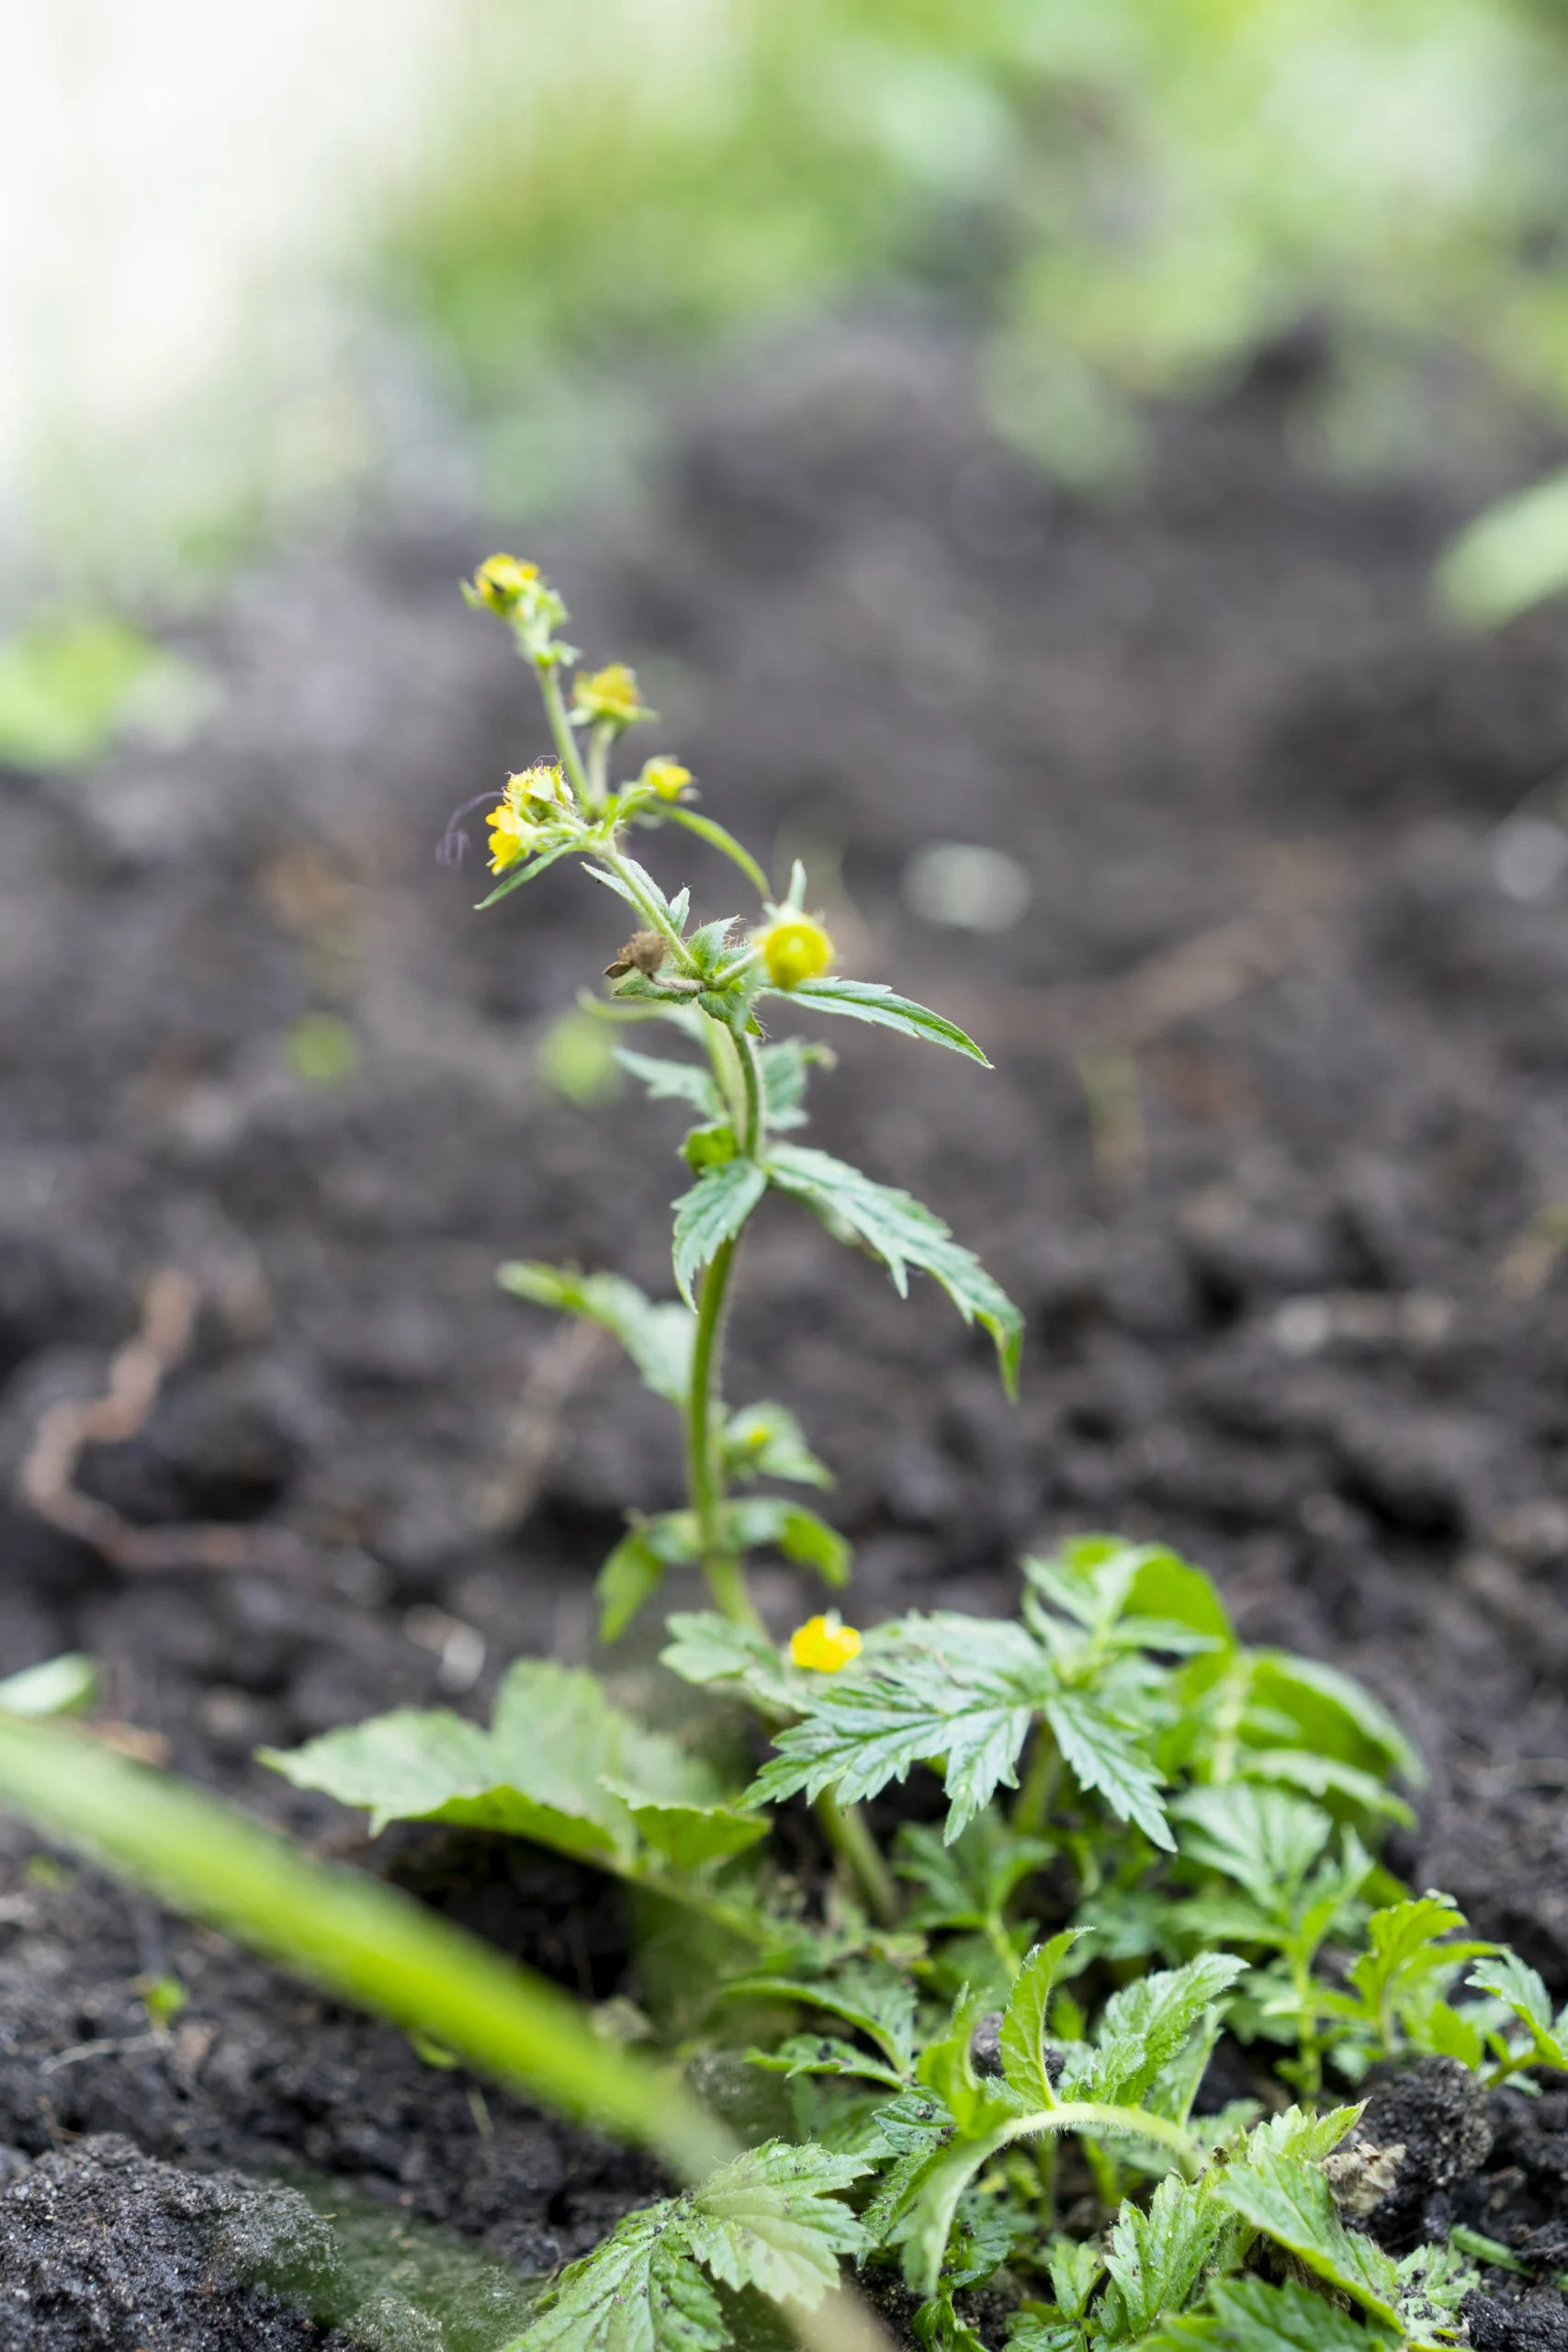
1098, 2115
562, 728
844, 1828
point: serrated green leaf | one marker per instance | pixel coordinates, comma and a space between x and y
1506, 1975
785, 1064
1074, 2266
800, 1534
656, 1337
903, 1233
713, 1212
1290, 2200
688, 1835
969, 1882
873, 1000
1144, 2024
1262, 1839
710, 1652
1157, 2257
540, 1772
1332, 1714
821, 2054
673, 1081
1025, 2026
1250, 2315
765, 1440
1101, 1755
637, 886
873, 1721
773, 2220
1294, 2132
639, 2292
1405, 1946
874, 1997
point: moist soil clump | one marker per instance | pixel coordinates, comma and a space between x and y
1269, 1158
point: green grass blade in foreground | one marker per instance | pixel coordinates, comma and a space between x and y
346, 1933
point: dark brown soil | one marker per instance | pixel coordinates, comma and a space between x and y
1271, 1203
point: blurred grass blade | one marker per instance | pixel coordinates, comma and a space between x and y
1513, 555
348, 1934
60, 1686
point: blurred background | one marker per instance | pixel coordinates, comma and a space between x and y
274, 267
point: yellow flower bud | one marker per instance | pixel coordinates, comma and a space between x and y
824, 1644
609, 697
668, 777
794, 949
501, 582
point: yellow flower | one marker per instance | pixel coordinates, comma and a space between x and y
501, 582
538, 791
609, 697
511, 837
668, 777
794, 949
824, 1644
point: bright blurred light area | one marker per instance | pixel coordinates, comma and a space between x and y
180, 185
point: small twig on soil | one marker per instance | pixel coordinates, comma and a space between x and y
560, 1367
137, 1373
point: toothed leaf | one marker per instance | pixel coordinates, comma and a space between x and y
903, 1233
713, 1212
656, 1335
873, 1000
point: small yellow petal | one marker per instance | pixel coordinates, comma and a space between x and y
824, 1644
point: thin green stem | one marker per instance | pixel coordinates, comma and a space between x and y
1095, 2114
704, 1445
562, 728
753, 1135
844, 1827
599, 743
1032, 1809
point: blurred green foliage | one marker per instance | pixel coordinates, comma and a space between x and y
68, 684
1134, 193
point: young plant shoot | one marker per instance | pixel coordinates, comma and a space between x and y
975, 2056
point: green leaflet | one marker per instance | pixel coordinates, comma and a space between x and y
1157, 2257
877, 1999
1023, 2032
873, 1000
966, 1884
669, 1082
1250, 2315
632, 1573
1289, 2199
657, 1336
896, 1229
797, 1532
771, 2220
549, 1767
1101, 1755
713, 1212
1143, 2026
1333, 1715
820, 2054
710, 1651
765, 1440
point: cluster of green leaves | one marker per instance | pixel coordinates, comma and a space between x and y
1161, 1829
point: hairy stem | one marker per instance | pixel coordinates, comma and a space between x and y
652, 913
562, 728
704, 1445
844, 1828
